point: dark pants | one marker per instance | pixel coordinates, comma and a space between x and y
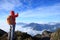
11, 33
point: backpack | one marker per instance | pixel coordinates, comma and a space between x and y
9, 20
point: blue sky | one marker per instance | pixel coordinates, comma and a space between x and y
38, 11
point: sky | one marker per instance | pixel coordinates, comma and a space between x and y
38, 11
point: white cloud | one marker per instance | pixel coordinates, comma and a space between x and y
10, 4
29, 30
4, 26
42, 11
7, 6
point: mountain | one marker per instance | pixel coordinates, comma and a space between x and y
18, 36
46, 35
23, 36
21, 23
55, 35
40, 27
2, 32
35, 26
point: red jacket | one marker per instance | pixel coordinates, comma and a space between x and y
12, 18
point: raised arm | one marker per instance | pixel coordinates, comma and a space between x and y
16, 15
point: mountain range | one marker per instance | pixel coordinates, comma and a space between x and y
39, 27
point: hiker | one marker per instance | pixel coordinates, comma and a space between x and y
11, 20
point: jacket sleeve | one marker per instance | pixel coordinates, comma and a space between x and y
16, 15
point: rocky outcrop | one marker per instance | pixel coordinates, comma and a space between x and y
55, 35
46, 35
2, 32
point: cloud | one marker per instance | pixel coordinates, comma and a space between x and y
29, 30
42, 11
42, 14
17, 5
23, 4
5, 6
4, 26
10, 4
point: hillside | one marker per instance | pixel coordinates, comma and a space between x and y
2, 32
24, 36
46, 35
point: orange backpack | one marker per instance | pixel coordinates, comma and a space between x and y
9, 20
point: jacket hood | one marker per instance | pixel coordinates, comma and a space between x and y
12, 13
